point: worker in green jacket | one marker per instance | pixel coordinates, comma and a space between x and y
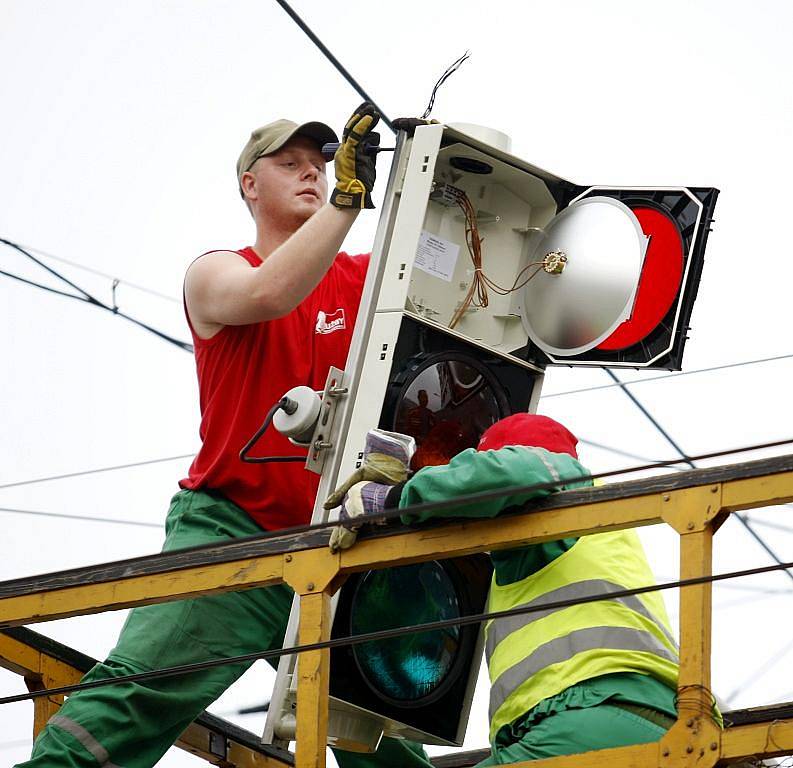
589, 676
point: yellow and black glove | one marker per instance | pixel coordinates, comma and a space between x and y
355, 163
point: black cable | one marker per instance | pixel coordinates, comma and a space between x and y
677, 375
94, 471
617, 451
774, 526
85, 296
259, 432
99, 273
40, 285
741, 519
473, 498
387, 634
333, 60
450, 70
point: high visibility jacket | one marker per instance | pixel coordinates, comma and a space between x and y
537, 655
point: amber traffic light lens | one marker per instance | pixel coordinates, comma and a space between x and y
446, 407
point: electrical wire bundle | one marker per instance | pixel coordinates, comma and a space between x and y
477, 295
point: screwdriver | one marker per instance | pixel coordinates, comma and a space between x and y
329, 150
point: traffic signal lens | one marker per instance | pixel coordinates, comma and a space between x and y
446, 407
409, 668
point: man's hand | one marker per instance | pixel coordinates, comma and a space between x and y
386, 459
355, 168
361, 500
409, 124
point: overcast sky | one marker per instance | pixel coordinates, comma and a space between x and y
121, 126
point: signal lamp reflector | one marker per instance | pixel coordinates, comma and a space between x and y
409, 669
659, 282
446, 402
573, 310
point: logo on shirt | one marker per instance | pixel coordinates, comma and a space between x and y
328, 322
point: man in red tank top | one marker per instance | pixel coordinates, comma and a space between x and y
264, 319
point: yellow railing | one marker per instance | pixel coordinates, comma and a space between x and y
693, 503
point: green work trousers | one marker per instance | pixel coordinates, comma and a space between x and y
573, 731
132, 725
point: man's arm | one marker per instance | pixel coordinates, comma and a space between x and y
221, 288
478, 471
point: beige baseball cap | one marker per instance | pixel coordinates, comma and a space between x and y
271, 137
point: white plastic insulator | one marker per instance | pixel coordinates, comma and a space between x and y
299, 426
286, 727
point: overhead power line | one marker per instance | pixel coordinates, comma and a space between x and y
616, 451
387, 634
774, 526
88, 518
741, 518
83, 296
18, 743
95, 471
93, 271
677, 375
333, 60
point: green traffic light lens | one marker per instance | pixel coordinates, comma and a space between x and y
409, 668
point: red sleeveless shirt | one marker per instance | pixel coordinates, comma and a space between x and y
244, 370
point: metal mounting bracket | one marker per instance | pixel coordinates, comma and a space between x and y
321, 447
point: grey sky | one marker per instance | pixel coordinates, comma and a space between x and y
121, 125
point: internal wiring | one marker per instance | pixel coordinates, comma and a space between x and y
477, 295
83, 295
387, 634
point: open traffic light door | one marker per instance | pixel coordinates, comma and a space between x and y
619, 300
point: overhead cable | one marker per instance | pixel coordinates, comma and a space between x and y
765, 667
677, 375
333, 60
387, 634
95, 471
473, 498
84, 296
688, 460
611, 449
106, 275
89, 518
769, 524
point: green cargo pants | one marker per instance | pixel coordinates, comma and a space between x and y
132, 725
577, 730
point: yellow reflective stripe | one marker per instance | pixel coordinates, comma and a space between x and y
615, 556
524, 641
499, 629
607, 639
586, 666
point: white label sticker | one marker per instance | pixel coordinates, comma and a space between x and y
437, 256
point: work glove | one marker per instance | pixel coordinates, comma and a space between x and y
355, 167
386, 459
361, 500
409, 124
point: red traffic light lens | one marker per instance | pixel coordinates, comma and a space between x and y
659, 283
